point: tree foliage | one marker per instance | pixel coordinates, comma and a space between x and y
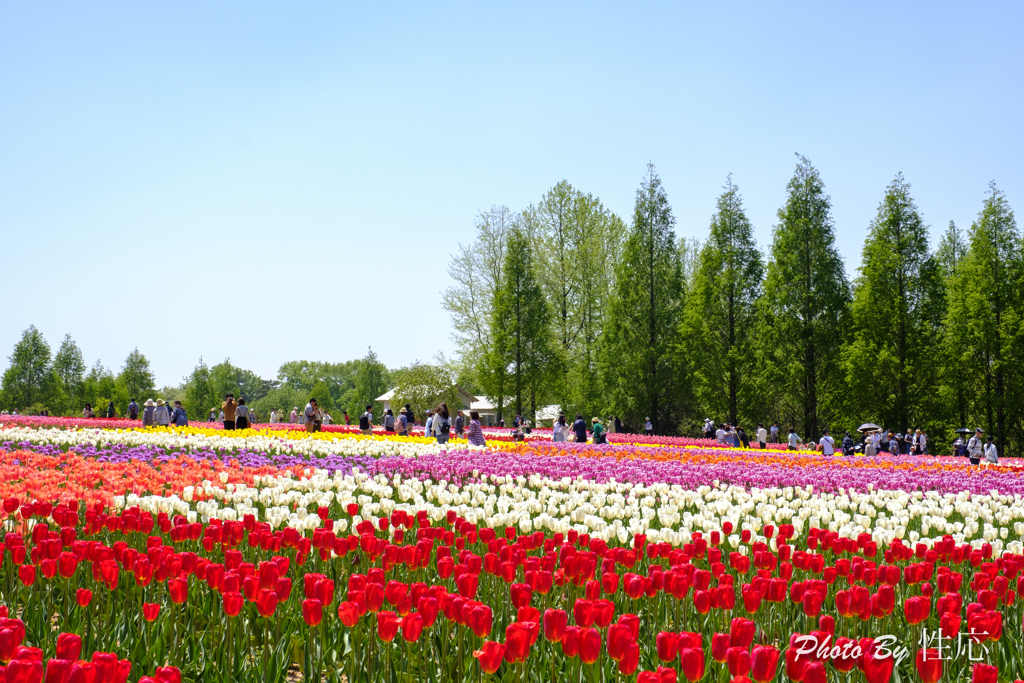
804, 308
28, 380
641, 368
423, 387
719, 322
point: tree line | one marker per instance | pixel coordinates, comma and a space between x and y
60, 384
565, 303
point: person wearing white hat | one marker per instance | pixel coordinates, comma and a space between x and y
147, 413
162, 416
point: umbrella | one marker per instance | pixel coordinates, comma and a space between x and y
869, 427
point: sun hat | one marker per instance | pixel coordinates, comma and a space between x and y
595, 420
159, 401
149, 402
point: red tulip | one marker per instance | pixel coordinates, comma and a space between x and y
27, 574
266, 602
738, 661
795, 664
929, 665
630, 659
69, 647
845, 661
702, 601
667, 644
618, 637
517, 643
83, 596
178, 590
764, 663
719, 646
814, 672
571, 641
480, 620
312, 611
916, 609
84, 672
949, 625
412, 627
590, 645
21, 671
692, 664
583, 613
387, 625
58, 671
67, 563
232, 603
555, 623
741, 632
150, 611
168, 674
520, 594
348, 612
490, 655
984, 673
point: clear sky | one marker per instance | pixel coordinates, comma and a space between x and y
284, 181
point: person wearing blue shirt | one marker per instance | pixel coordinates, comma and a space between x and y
179, 417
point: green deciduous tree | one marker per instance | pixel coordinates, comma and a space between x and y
955, 391
804, 307
69, 368
136, 377
423, 386
577, 242
641, 369
719, 322
476, 271
988, 290
890, 362
28, 381
199, 393
522, 360
371, 380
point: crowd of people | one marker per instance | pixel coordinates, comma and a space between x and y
439, 423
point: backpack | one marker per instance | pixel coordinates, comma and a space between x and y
445, 426
364, 421
389, 422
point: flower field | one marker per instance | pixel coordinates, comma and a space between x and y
273, 554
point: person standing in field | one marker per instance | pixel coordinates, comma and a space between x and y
162, 416
366, 422
774, 433
227, 408
293, 417
579, 428
111, 413
794, 440
441, 425
559, 429
147, 413
648, 427
389, 421
180, 417
475, 435
762, 436
827, 443
241, 415
133, 410
402, 423
599, 432
87, 411
991, 452
460, 425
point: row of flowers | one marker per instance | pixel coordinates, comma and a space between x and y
374, 584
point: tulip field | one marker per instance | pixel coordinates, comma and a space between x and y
273, 554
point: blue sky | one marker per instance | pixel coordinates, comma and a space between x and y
279, 181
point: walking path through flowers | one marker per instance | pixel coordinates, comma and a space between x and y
203, 555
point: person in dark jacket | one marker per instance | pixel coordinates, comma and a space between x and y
179, 417
579, 428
